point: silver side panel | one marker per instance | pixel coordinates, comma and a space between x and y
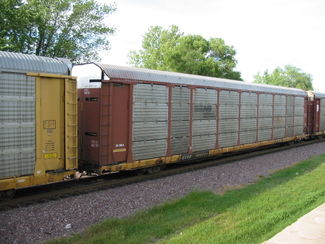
322, 115
247, 137
180, 120
265, 134
278, 133
228, 139
17, 125
149, 149
204, 127
143, 131
248, 124
228, 125
265, 111
228, 111
180, 145
229, 97
265, 99
203, 142
150, 121
265, 123
298, 130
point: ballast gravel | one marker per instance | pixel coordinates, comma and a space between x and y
54, 219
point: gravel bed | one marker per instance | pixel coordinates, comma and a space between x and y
45, 221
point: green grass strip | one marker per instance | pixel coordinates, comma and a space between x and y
248, 215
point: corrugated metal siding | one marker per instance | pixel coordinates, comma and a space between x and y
322, 115
228, 139
204, 126
19, 62
17, 125
150, 116
131, 73
203, 142
265, 113
180, 120
229, 114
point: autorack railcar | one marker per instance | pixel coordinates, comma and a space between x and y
38, 120
142, 118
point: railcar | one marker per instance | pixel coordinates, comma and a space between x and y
38, 120
140, 118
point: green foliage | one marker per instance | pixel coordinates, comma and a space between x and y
251, 214
171, 50
73, 29
290, 76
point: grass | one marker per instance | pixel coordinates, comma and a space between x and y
248, 215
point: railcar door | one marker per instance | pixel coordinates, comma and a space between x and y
317, 115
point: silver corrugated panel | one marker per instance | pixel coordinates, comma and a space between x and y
17, 125
138, 74
248, 111
265, 134
289, 121
205, 142
299, 120
181, 94
298, 130
149, 149
180, 111
264, 123
180, 145
150, 112
204, 127
248, 124
299, 111
248, 98
279, 122
228, 111
278, 133
247, 137
24, 63
265, 111
290, 100
148, 93
229, 97
180, 128
290, 131
299, 102
279, 110
322, 123
204, 111
228, 125
290, 111
265, 99
322, 107
279, 100
150, 130
228, 139
208, 96
150, 116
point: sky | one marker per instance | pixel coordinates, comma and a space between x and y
265, 33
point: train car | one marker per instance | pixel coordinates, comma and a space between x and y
38, 120
316, 111
140, 118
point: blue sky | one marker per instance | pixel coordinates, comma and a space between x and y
265, 33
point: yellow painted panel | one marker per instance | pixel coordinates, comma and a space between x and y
50, 124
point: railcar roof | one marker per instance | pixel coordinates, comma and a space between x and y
23, 63
139, 74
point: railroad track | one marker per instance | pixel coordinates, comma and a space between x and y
71, 188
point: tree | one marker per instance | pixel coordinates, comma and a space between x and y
289, 76
169, 49
73, 29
